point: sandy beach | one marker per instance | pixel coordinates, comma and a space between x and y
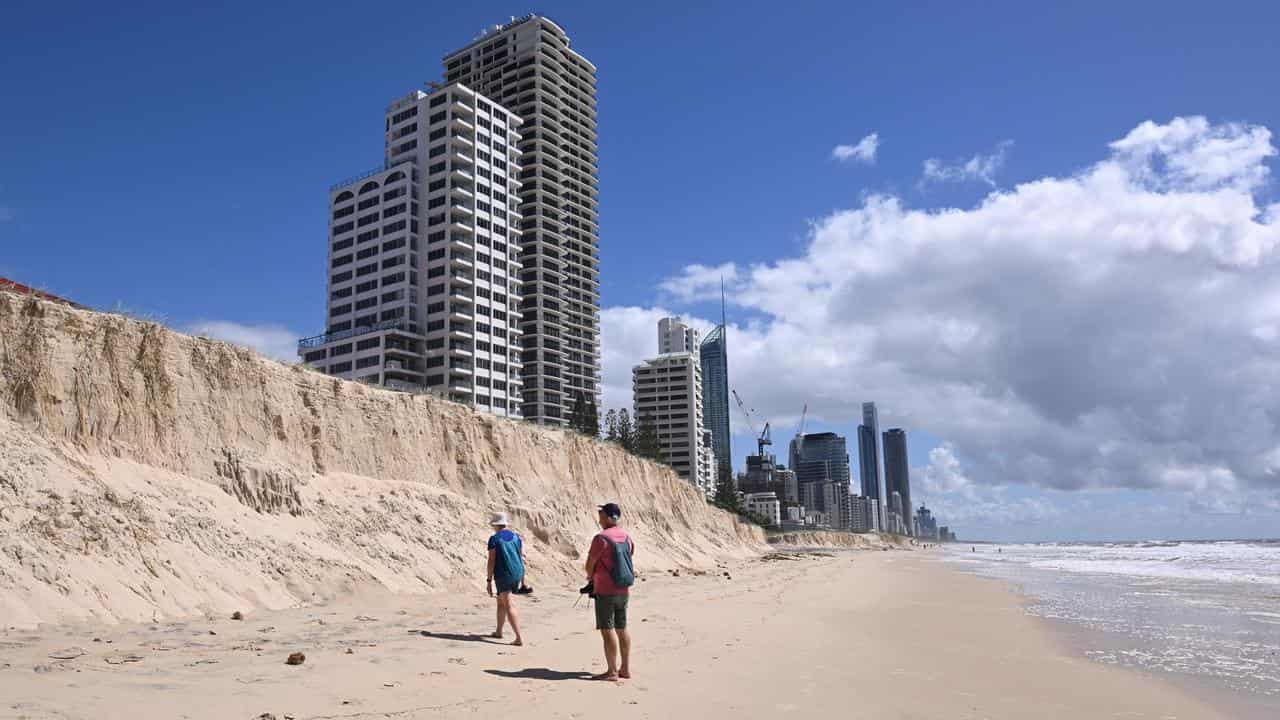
798, 634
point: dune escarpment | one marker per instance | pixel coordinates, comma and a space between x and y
148, 474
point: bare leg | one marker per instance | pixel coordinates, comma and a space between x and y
610, 653
624, 644
502, 614
513, 618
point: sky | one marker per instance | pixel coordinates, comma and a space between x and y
1042, 238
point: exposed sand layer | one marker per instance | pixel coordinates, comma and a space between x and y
147, 474
891, 635
851, 541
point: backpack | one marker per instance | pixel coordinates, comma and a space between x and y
623, 573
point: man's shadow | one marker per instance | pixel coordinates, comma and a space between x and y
541, 674
459, 637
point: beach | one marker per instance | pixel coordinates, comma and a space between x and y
796, 633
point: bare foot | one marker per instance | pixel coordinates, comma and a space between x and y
496, 635
624, 674
518, 642
609, 676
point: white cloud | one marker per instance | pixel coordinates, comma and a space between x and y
699, 282
864, 152
977, 168
273, 341
1118, 327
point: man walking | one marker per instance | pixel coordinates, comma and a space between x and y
506, 569
610, 573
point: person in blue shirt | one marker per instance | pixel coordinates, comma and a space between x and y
506, 570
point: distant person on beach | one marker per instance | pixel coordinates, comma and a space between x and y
506, 570
610, 575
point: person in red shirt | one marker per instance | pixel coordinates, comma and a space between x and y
611, 600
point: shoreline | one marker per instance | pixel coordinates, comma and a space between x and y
1084, 642
794, 633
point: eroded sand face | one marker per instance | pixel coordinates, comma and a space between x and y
146, 475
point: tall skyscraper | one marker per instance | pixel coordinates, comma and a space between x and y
714, 355
422, 291
667, 392
897, 472
871, 470
528, 66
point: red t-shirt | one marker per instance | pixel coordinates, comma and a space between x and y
601, 558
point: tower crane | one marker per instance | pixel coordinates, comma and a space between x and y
762, 436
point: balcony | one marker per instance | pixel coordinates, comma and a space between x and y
461, 278
460, 123
319, 340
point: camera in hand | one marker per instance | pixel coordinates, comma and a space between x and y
589, 590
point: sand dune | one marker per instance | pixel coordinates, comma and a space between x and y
146, 475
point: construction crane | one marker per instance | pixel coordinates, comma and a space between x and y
762, 436
803, 414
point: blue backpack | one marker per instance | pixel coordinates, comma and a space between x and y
623, 573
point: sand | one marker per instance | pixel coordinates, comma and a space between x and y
146, 474
797, 634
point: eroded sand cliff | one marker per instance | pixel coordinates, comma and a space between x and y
145, 473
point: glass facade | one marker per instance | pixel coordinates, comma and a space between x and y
896, 474
714, 356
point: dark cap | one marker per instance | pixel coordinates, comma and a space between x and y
610, 510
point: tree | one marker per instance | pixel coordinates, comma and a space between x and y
592, 426
646, 439
726, 497
585, 418
611, 426
626, 435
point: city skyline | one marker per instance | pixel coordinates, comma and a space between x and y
864, 264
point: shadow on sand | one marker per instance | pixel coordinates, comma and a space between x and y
541, 674
460, 637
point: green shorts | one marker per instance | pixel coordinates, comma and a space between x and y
611, 612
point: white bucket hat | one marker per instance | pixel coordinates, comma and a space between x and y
498, 519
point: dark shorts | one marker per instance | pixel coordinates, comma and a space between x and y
505, 585
611, 612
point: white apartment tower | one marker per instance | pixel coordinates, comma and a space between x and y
528, 66
667, 390
423, 291
675, 336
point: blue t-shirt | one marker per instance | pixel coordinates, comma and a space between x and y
508, 568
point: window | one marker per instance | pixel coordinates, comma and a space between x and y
436, 135
367, 303
406, 147
392, 279
435, 308
393, 244
340, 368
392, 262
393, 210
344, 227
343, 212
340, 350
393, 194
340, 277
435, 325
314, 355
367, 235
344, 196
368, 344
366, 320
433, 362
435, 185
368, 187
337, 310
367, 203
367, 252
339, 294
435, 202
435, 237
366, 269
404, 115
367, 362
396, 226
365, 287
435, 255
435, 343
367, 220
437, 168
437, 151
436, 289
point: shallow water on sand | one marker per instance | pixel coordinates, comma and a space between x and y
1210, 610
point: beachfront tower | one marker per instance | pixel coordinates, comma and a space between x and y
667, 392
675, 336
870, 469
897, 473
714, 356
528, 65
423, 257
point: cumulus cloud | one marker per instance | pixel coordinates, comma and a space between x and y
273, 341
864, 152
980, 168
699, 282
1117, 327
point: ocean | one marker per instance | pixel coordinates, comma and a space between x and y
1208, 612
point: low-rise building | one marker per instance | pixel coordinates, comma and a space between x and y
765, 504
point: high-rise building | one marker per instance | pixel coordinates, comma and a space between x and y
863, 513
871, 470
529, 67
790, 484
714, 357
423, 262
667, 392
821, 458
897, 472
926, 523
674, 336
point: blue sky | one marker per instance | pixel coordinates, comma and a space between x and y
175, 161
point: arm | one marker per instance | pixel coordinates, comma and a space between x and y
593, 556
489, 569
